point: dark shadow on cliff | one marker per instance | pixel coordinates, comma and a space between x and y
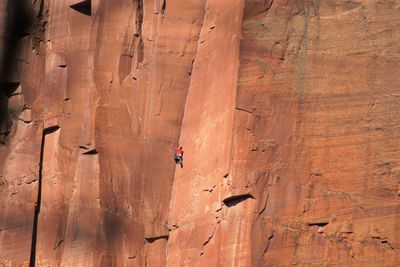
46, 131
234, 200
19, 23
83, 7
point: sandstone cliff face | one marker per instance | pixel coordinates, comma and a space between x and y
287, 112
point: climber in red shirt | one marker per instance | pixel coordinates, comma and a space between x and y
178, 156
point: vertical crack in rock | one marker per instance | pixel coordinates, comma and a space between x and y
83, 7
39, 28
264, 206
269, 242
46, 131
207, 241
139, 28
191, 68
41, 8
132, 43
190, 71
234, 200
139, 17
163, 7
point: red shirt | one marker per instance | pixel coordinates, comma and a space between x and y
179, 151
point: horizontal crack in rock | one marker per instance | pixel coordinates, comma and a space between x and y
154, 239
90, 152
83, 7
318, 223
234, 200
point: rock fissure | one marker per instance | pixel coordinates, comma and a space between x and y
269, 242
83, 7
156, 238
318, 223
385, 243
207, 241
264, 206
234, 200
163, 6
46, 131
244, 110
139, 18
90, 152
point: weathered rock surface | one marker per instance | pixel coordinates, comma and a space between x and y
287, 112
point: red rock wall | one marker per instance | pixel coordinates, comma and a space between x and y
287, 112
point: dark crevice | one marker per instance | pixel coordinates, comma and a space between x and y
234, 200
5, 122
23, 35
138, 34
90, 152
58, 245
385, 242
191, 68
83, 7
163, 7
19, 22
154, 239
50, 129
173, 227
264, 207
269, 242
139, 17
140, 53
208, 240
269, 6
244, 110
25, 121
9, 88
319, 224
46, 131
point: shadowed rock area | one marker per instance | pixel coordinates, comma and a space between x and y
287, 112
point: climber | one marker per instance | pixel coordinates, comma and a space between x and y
178, 156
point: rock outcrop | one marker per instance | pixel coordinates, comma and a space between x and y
287, 112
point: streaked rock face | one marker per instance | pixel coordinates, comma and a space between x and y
287, 112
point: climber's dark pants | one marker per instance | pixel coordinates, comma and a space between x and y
178, 158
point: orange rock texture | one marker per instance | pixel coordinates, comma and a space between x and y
287, 111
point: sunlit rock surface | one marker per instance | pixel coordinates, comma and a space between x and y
287, 111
